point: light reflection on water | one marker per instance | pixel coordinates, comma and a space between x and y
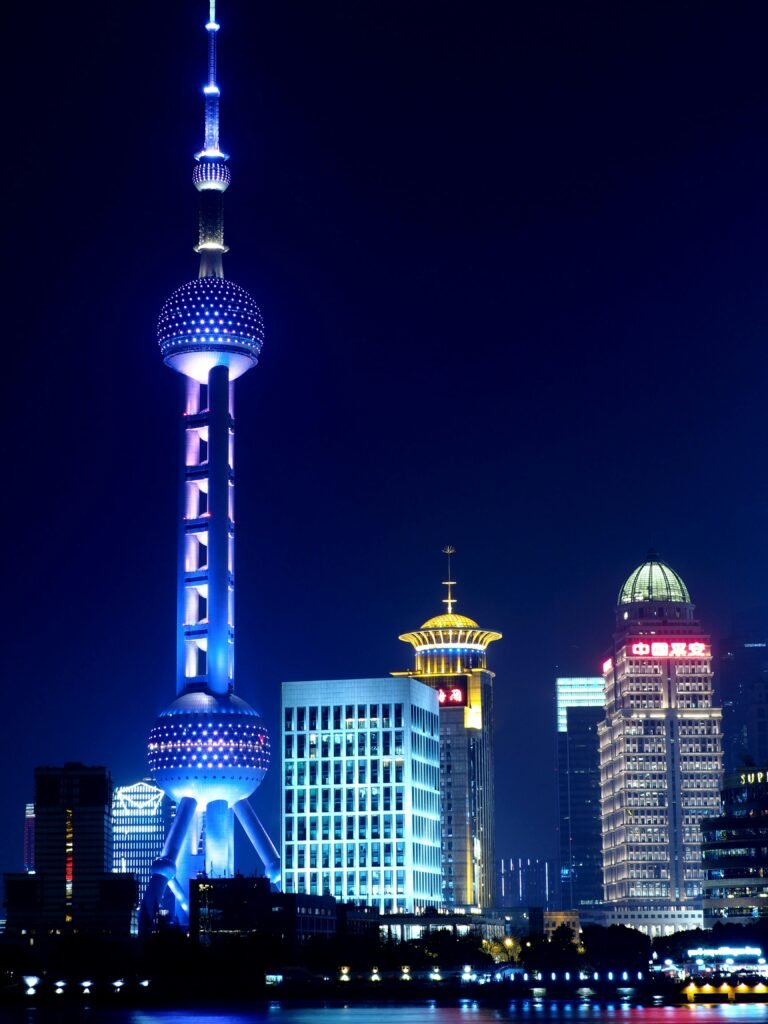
430, 1013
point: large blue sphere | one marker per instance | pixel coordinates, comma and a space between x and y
208, 747
209, 322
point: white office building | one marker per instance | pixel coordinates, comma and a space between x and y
361, 791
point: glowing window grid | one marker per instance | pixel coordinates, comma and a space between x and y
578, 692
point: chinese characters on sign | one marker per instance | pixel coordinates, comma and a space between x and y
668, 649
455, 696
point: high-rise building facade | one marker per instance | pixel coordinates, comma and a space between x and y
742, 686
141, 818
735, 851
450, 656
660, 751
209, 750
525, 882
580, 707
360, 812
72, 888
29, 837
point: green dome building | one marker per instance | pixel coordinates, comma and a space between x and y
660, 754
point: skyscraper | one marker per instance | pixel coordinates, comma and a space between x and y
735, 851
209, 750
141, 818
29, 837
72, 888
361, 814
580, 706
660, 753
450, 654
525, 882
742, 686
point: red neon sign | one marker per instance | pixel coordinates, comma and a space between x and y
454, 696
668, 649
607, 666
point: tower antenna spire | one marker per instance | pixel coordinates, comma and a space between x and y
450, 601
211, 176
211, 89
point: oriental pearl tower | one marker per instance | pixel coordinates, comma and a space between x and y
209, 749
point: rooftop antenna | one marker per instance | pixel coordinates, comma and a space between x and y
450, 601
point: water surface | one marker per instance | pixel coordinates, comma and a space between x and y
467, 1012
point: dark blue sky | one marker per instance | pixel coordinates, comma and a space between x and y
512, 262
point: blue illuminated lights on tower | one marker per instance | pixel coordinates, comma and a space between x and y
209, 750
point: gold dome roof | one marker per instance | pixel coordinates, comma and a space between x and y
450, 621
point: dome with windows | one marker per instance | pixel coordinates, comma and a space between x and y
654, 580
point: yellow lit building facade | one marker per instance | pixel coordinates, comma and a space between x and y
450, 656
660, 753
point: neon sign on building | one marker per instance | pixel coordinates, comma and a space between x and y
668, 649
455, 696
750, 778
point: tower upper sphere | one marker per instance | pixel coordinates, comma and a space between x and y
654, 580
210, 322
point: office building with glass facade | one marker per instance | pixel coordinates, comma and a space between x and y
361, 792
580, 707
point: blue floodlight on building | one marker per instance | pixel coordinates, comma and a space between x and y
361, 792
208, 751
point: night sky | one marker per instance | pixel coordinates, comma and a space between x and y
512, 263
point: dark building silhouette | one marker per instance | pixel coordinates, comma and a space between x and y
580, 706
578, 780
734, 851
525, 882
249, 907
742, 685
72, 888
29, 837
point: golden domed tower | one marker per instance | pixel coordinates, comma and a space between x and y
450, 655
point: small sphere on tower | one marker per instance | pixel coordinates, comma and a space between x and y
209, 176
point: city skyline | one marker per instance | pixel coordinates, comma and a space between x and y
438, 222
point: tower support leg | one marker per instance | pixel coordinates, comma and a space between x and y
164, 868
260, 841
219, 840
182, 905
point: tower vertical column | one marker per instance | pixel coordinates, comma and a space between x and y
219, 577
208, 748
187, 559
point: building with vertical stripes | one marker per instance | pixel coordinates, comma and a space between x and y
361, 792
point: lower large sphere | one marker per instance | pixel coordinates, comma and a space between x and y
208, 747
